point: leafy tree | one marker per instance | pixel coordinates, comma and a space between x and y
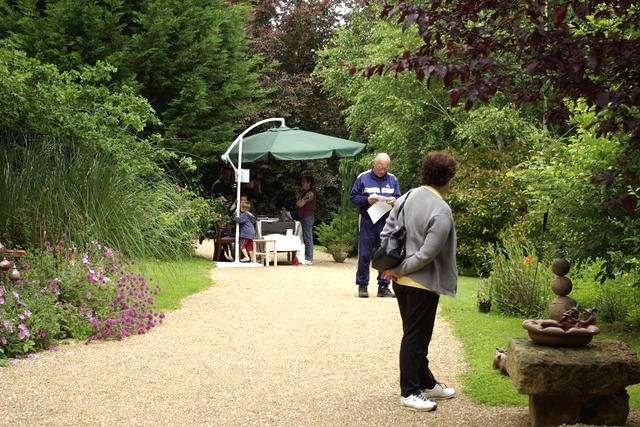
534, 52
189, 59
393, 113
490, 142
192, 61
77, 107
289, 35
558, 180
400, 116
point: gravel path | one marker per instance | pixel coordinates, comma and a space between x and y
281, 345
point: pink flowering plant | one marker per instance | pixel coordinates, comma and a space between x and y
211, 212
70, 293
215, 210
29, 316
220, 210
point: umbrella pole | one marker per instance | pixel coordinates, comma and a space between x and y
238, 179
238, 171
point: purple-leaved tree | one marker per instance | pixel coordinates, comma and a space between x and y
534, 51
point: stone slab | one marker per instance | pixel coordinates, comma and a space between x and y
602, 367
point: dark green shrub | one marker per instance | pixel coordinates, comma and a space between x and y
341, 233
617, 300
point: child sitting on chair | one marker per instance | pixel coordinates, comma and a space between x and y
247, 230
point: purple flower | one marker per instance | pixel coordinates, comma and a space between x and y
91, 276
3, 340
16, 295
1, 300
108, 253
42, 334
24, 331
54, 287
2, 291
7, 326
85, 259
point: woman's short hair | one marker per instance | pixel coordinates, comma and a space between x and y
438, 168
310, 180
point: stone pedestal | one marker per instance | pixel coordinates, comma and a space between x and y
574, 385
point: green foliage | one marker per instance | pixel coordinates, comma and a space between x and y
491, 141
75, 108
189, 59
484, 293
616, 299
559, 178
397, 114
341, 234
406, 118
520, 285
485, 201
50, 190
494, 129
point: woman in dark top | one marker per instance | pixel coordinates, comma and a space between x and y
306, 213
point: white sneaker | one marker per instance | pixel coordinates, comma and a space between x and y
439, 391
307, 262
418, 402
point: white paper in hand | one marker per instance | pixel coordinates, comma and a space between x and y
378, 210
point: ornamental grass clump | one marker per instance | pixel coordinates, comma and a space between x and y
519, 282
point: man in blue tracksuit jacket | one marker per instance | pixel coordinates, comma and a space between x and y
370, 184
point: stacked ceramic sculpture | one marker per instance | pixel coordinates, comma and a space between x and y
567, 326
561, 286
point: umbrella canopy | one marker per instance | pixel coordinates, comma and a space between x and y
284, 143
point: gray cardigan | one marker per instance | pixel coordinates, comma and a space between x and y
431, 240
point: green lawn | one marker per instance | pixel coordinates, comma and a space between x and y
481, 333
177, 279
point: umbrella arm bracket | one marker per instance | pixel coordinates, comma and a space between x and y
238, 170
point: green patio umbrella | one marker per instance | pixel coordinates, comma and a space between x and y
284, 143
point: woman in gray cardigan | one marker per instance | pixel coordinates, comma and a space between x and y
428, 271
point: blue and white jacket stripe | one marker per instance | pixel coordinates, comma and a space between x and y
367, 183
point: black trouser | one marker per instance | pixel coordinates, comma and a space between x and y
418, 311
